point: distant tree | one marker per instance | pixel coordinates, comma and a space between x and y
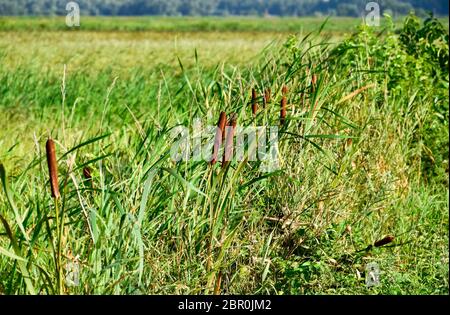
219, 7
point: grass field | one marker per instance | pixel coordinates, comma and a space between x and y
363, 155
185, 24
335, 25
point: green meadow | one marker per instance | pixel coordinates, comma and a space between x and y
363, 156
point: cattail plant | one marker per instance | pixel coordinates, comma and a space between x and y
87, 174
348, 143
314, 79
231, 127
52, 168
219, 136
313, 82
53, 172
254, 102
283, 106
384, 241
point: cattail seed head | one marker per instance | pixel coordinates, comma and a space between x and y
283, 110
384, 241
88, 176
254, 102
87, 173
267, 96
314, 81
349, 142
220, 135
52, 168
284, 90
231, 126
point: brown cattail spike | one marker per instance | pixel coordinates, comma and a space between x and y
267, 96
220, 134
254, 102
384, 241
284, 90
88, 176
87, 173
231, 126
313, 82
52, 168
283, 110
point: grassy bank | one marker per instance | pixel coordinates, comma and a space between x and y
363, 155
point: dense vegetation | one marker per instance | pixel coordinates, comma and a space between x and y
220, 7
363, 155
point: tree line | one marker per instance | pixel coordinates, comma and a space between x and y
221, 7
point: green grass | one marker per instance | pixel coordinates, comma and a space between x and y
122, 53
148, 225
186, 24
336, 25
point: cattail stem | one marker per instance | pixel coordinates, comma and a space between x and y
52, 168
219, 136
59, 267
